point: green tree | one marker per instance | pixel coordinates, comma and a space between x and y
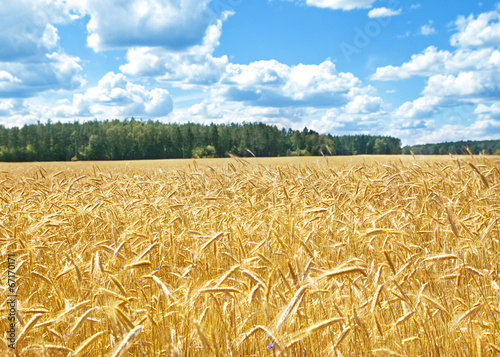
204, 152
95, 148
380, 147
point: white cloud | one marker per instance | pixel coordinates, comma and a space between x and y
316, 96
270, 83
54, 71
486, 112
8, 107
364, 104
424, 64
341, 4
50, 37
114, 97
351, 120
27, 40
478, 130
462, 78
192, 67
27, 27
468, 85
421, 108
18, 112
428, 29
172, 24
354, 117
477, 32
433, 61
383, 12
6, 77
257, 73
451, 93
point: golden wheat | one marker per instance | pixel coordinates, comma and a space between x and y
237, 257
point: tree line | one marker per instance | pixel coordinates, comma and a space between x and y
134, 139
488, 147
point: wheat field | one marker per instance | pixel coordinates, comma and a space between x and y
287, 257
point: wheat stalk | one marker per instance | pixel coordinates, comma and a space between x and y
126, 343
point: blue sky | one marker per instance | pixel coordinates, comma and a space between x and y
423, 71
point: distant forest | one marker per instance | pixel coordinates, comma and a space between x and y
133, 139
488, 147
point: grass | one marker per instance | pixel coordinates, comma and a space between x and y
355, 256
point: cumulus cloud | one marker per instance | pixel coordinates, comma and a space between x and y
486, 112
430, 61
283, 95
54, 71
115, 97
472, 86
266, 91
477, 32
465, 76
364, 113
6, 77
341, 4
172, 24
316, 96
30, 61
192, 67
19, 111
421, 108
270, 83
433, 61
173, 42
364, 104
455, 96
416, 129
50, 37
27, 27
478, 130
469, 73
8, 106
383, 12
344, 120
